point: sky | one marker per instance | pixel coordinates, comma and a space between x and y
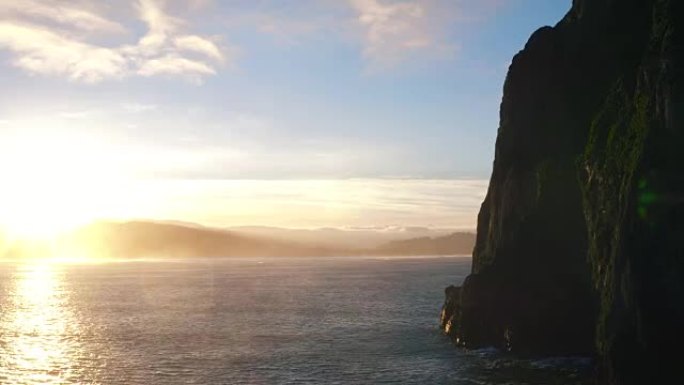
309, 113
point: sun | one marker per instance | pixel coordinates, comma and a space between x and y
51, 184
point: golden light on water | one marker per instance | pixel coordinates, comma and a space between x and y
40, 333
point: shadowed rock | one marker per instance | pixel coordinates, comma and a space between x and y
579, 238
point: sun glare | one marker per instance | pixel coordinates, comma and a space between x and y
51, 185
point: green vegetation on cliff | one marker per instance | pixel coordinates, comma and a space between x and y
579, 239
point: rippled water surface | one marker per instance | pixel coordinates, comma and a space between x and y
243, 321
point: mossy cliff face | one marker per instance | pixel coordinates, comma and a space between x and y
633, 181
579, 246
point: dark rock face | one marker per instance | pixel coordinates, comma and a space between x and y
634, 204
579, 238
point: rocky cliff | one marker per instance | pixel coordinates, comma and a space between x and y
579, 238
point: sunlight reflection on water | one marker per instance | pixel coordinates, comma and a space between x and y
38, 346
239, 321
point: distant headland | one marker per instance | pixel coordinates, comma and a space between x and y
150, 239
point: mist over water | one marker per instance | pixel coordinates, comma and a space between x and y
244, 321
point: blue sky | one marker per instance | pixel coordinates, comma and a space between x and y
259, 90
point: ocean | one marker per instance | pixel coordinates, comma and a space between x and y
346, 320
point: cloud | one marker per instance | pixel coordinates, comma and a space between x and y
389, 32
66, 38
59, 12
41, 47
159, 24
392, 31
200, 45
44, 52
173, 64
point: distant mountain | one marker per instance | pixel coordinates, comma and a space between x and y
150, 239
457, 243
359, 237
173, 240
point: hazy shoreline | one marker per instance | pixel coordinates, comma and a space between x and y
142, 239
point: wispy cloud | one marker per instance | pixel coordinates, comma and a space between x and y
46, 38
194, 43
160, 25
392, 31
41, 51
388, 32
173, 64
61, 12
59, 37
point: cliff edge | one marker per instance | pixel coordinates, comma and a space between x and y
579, 238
